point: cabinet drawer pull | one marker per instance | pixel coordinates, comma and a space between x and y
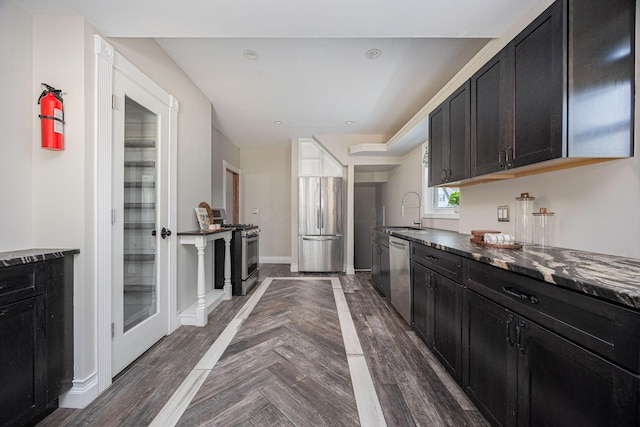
3, 313
432, 258
509, 322
520, 295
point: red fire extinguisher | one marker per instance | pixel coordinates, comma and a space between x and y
51, 118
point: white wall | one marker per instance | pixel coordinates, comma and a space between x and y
194, 148
17, 118
63, 182
596, 207
266, 185
403, 178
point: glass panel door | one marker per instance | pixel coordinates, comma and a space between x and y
139, 251
140, 199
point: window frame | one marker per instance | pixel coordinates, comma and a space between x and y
429, 194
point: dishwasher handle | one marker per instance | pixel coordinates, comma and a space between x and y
403, 246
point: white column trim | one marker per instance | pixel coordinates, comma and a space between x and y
105, 56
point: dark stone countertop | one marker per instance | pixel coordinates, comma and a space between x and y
28, 256
204, 232
612, 278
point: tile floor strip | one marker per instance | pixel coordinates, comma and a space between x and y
171, 412
369, 409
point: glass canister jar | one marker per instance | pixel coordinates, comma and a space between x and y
524, 220
543, 227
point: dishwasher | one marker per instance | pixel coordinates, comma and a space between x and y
399, 256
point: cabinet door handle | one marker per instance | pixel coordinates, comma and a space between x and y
508, 330
427, 280
519, 327
507, 157
500, 158
443, 175
520, 295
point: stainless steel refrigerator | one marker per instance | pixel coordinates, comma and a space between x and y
320, 243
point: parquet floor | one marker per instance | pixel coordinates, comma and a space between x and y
287, 366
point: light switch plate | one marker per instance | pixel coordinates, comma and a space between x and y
255, 210
503, 213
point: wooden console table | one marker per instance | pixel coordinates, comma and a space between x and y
197, 313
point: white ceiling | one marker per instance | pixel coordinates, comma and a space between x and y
312, 73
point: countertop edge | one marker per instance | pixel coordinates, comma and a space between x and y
555, 271
29, 256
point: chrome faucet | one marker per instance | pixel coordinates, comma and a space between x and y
419, 221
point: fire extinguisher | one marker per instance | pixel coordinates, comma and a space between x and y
51, 118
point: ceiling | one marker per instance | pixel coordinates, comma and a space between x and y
312, 75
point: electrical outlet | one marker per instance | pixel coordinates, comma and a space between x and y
503, 213
255, 210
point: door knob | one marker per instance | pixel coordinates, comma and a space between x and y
164, 233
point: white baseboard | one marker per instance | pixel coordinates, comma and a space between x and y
275, 260
212, 299
81, 394
350, 270
294, 268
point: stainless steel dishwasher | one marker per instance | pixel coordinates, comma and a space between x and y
399, 255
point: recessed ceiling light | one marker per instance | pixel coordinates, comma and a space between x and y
373, 53
251, 54
349, 122
277, 122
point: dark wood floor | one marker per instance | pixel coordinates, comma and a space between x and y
305, 356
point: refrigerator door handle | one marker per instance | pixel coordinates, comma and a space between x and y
321, 238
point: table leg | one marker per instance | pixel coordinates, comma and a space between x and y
201, 308
227, 268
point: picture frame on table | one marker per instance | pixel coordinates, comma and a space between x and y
203, 218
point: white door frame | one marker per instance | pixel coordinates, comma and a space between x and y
226, 165
107, 59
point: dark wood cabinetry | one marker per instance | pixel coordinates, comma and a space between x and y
449, 138
491, 114
533, 354
380, 262
437, 304
561, 91
36, 337
538, 80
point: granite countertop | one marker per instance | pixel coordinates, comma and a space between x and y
28, 256
612, 278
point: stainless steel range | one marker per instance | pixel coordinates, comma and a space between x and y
244, 254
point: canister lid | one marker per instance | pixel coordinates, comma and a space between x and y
525, 196
543, 211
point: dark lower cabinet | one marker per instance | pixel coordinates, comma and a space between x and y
489, 362
563, 384
22, 351
437, 315
380, 262
36, 338
519, 373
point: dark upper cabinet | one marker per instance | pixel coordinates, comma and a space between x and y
538, 95
449, 138
601, 85
562, 89
491, 114
437, 172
